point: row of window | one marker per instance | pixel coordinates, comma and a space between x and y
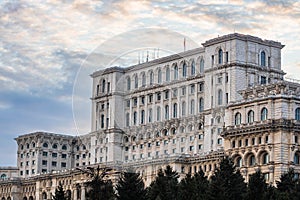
250, 160
247, 142
263, 116
55, 146
250, 116
167, 74
54, 155
166, 112
54, 164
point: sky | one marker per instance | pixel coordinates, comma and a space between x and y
48, 49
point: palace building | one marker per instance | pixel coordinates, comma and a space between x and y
186, 110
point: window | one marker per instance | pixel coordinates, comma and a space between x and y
158, 113
54, 164
220, 53
183, 91
54, 146
265, 158
227, 57
192, 110
263, 80
142, 117
150, 98
263, 58
212, 60
174, 92
127, 119
159, 76
193, 70
239, 162
150, 115
167, 74
219, 141
252, 160
201, 66
102, 121
184, 69
143, 80
167, 94
151, 78
297, 158
175, 72
103, 86
54, 155
297, 114
183, 109
64, 156
200, 87
264, 114
45, 153
63, 164
134, 117
250, 116
238, 119
158, 96
64, 147
136, 82
174, 110
45, 145
128, 83
166, 112
220, 97
44, 162
192, 89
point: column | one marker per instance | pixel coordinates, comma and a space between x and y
82, 192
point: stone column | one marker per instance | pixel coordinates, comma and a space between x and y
82, 192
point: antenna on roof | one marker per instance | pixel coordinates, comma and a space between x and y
139, 58
183, 44
147, 56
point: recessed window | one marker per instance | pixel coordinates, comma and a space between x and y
45, 145
297, 114
238, 119
264, 114
184, 69
220, 53
250, 116
54, 146
263, 58
193, 70
201, 66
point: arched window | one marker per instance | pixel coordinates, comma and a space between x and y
238, 162
136, 81
220, 56
201, 104
33, 144
166, 112
265, 158
251, 160
54, 146
128, 83
127, 119
158, 113
175, 72
201, 66
45, 145
167, 74
297, 114
143, 80
264, 114
238, 119
151, 78
250, 116
102, 121
3, 176
220, 97
174, 110
142, 117
159, 76
150, 115
183, 107
192, 110
44, 196
134, 117
103, 86
193, 70
263, 58
184, 69
64, 147
297, 158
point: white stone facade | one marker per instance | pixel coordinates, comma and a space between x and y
187, 110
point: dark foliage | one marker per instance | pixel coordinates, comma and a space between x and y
130, 187
59, 193
257, 187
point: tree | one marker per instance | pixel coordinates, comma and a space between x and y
227, 182
59, 193
194, 187
165, 186
288, 186
257, 187
99, 187
130, 187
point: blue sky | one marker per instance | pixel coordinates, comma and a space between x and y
43, 44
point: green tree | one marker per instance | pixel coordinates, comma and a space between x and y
59, 193
165, 186
194, 187
99, 187
227, 182
130, 187
257, 187
288, 186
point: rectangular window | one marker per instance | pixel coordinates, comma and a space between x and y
200, 136
174, 141
246, 142
158, 96
191, 148
200, 146
63, 164
192, 89
44, 162
263, 80
227, 57
200, 87
33, 162
45, 153
32, 171
64, 156
296, 139
212, 60
54, 155
128, 103
143, 100
167, 94
150, 98
182, 149
183, 91
149, 145
220, 79
54, 164
174, 92
134, 101
27, 172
